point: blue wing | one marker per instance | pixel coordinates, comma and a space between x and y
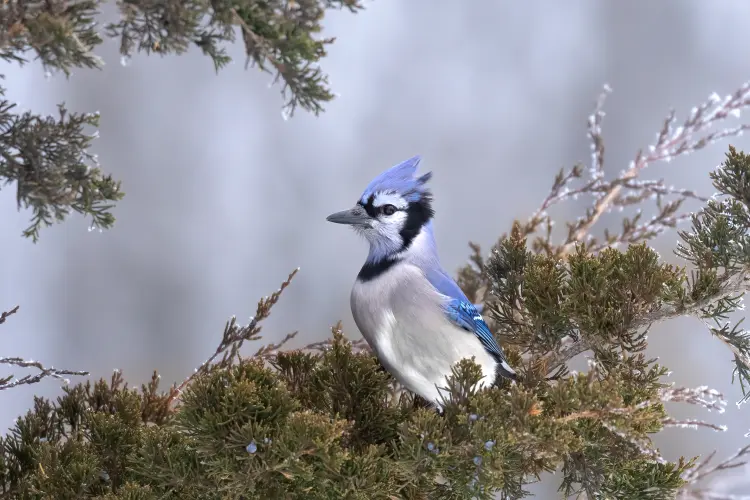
463, 313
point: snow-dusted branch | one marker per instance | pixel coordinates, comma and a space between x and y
627, 189
10, 381
701, 472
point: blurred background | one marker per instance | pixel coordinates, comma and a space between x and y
224, 197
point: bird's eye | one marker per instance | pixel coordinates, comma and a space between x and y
388, 209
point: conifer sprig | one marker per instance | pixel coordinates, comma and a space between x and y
327, 421
234, 336
48, 158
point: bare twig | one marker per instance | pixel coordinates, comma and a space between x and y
6, 314
702, 471
10, 381
357, 345
271, 349
627, 189
234, 337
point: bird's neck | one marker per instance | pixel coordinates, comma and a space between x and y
422, 252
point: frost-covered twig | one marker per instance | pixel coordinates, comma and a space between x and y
627, 189
708, 398
10, 381
702, 471
692, 423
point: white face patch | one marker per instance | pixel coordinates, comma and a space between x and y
394, 199
384, 233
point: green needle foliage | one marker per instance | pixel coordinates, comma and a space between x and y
328, 422
47, 157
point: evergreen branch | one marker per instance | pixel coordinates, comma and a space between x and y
277, 33
234, 337
48, 158
710, 399
738, 342
692, 423
627, 190
737, 284
62, 34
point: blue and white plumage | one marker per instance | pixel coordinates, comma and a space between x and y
411, 312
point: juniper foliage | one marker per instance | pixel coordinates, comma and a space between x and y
48, 158
328, 422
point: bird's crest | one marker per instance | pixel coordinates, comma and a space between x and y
400, 179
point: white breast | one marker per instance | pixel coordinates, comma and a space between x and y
399, 314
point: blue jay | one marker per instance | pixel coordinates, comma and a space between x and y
414, 316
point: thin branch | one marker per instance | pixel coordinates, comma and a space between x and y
271, 350
732, 462
357, 345
234, 337
10, 381
7, 314
692, 423
627, 190
710, 399
702, 471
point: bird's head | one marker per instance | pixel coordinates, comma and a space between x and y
392, 211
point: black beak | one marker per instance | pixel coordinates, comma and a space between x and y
356, 216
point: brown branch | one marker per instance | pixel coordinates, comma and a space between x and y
627, 190
6, 314
234, 337
701, 471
